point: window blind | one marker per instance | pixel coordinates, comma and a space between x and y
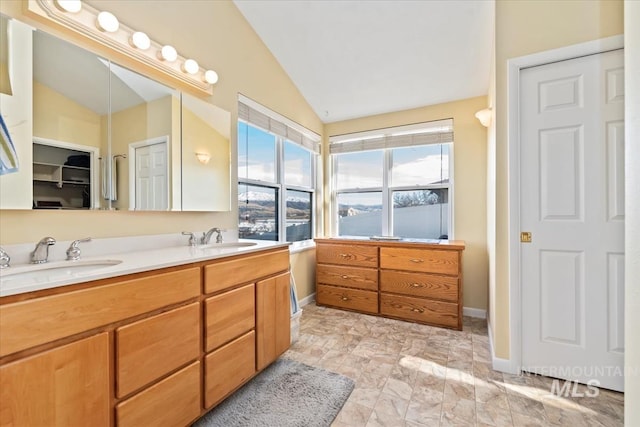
436, 132
257, 115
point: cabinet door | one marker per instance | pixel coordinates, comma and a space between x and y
65, 386
273, 319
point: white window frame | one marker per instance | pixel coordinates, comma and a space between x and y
280, 185
386, 189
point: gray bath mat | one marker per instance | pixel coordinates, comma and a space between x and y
285, 394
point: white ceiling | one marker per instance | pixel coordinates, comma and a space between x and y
355, 58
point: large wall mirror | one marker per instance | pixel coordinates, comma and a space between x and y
106, 137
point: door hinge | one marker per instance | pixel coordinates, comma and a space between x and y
525, 237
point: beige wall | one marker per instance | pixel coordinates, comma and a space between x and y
525, 27
303, 268
57, 117
469, 177
632, 212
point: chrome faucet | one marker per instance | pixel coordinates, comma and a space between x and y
4, 259
73, 253
193, 240
40, 254
207, 236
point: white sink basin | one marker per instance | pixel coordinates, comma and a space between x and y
53, 271
227, 245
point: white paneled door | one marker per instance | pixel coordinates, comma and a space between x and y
572, 203
152, 188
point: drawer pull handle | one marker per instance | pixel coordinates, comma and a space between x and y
417, 260
345, 255
345, 299
344, 276
418, 310
417, 285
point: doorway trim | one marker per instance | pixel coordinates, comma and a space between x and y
514, 66
132, 166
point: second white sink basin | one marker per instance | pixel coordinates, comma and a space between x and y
54, 270
226, 245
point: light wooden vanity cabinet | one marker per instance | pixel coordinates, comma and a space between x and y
142, 349
347, 276
419, 282
78, 393
244, 323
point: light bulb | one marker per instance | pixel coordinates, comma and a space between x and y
211, 77
190, 66
71, 6
140, 40
108, 22
168, 53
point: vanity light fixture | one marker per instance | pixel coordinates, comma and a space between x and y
140, 40
71, 6
168, 53
203, 158
104, 28
108, 22
211, 77
484, 116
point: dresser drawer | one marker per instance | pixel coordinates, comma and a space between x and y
351, 299
419, 285
174, 401
349, 277
226, 274
351, 255
424, 260
153, 347
419, 309
229, 315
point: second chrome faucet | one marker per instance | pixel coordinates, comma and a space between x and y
206, 237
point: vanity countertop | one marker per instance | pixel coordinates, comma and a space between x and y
54, 274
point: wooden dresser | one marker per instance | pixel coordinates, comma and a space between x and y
407, 280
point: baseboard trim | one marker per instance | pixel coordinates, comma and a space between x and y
499, 364
307, 300
474, 312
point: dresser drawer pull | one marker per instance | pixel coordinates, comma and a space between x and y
418, 310
344, 276
345, 299
345, 255
417, 285
417, 260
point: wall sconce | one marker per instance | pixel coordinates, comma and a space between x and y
203, 158
103, 27
484, 116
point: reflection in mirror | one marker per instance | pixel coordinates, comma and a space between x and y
145, 142
70, 117
206, 152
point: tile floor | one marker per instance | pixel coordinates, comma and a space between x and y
414, 375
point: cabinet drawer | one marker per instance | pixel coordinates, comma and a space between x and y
28, 323
225, 274
352, 299
419, 285
229, 315
174, 401
351, 255
349, 277
228, 368
153, 347
419, 309
424, 260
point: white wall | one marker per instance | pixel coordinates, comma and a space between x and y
632, 214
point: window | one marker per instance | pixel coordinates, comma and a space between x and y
393, 181
276, 176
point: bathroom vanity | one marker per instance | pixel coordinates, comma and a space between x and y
155, 347
413, 280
